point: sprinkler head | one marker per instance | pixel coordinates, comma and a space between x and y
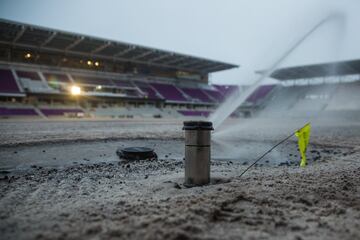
197, 152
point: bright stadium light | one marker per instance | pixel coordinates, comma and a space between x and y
98, 87
90, 63
28, 55
75, 90
97, 64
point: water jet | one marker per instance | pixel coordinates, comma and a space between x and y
235, 99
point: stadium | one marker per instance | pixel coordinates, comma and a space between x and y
49, 73
104, 139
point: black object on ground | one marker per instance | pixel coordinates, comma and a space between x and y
136, 153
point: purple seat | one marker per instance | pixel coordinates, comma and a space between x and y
59, 111
215, 94
5, 111
191, 113
133, 93
149, 91
31, 75
169, 92
197, 94
260, 93
8, 82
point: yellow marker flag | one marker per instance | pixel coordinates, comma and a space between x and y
303, 135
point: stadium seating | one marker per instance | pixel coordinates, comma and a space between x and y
50, 112
92, 80
132, 93
313, 100
346, 97
114, 112
148, 90
197, 94
169, 92
31, 82
56, 78
29, 75
260, 93
122, 112
123, 84
191, 113
9, 111
7, 82
214, 94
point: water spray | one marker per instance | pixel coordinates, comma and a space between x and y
236, 99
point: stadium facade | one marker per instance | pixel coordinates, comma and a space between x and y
325, 90
46, 72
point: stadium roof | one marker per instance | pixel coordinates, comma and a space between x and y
35, 37
317, 70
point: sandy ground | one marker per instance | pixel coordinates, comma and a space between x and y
147, 200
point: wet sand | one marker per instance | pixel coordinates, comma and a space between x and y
147, 200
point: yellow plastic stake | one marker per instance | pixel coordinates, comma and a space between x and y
303, 135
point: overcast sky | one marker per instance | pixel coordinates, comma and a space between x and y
249, 33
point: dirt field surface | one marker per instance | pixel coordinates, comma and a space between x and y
147, 199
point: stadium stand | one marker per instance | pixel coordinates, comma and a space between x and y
197, 94
56, 78
334, 95
148, 91
215, 94
34, 76
260, 93
31, 82
123, 84
92, 81
60, 112
17, 112
312, 100
191, 113
346, 97
7, 82
106, 78
169, 92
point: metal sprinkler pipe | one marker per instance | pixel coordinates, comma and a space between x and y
197, 152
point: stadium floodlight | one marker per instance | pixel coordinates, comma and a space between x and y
28, 55
90, 63
75, 90
97, 64
98, 87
